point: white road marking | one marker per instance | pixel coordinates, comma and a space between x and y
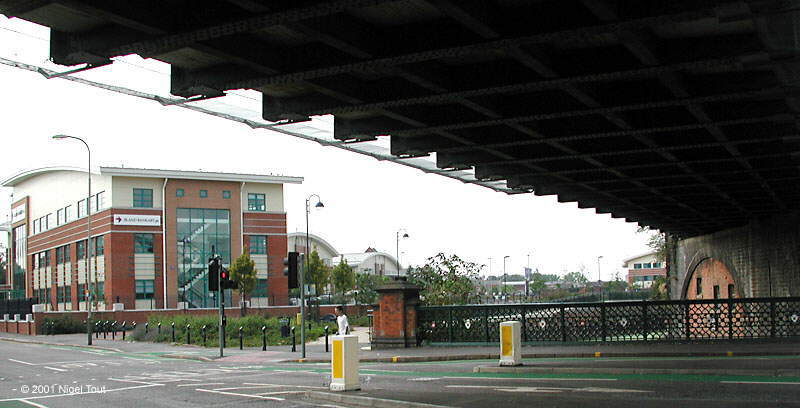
197, 385
549, 389
280, 392
242, 395
760, 382
285, 385
531, 379
21, 362
32, 403
55, 369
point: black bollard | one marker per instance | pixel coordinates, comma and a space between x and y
146, 327
173, 332
326, 339
309, 325
188, 334
105, 330
241, 339
294, 348
97, 330
124, 327
203, 329
263, 338
159, 327
114, 330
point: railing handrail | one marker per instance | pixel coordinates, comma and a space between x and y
621, 302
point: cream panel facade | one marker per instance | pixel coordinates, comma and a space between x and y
122, 192
144, 266
272, 192
262, 266
57, 189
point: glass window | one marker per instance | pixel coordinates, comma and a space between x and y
68, 214
99, 202
200, 234
258, 244
99, 246
68, 294
226, 194
60, 216
656, 264
145, 288
36, 226
46, 256
48, 222
81, 208
730, 291
100, 291
699, 289
203, 193
143, 243
637, 266
261, 288
59, 255
80, 249
143, 197
647, 265
66, 253
180, 192
81, 292
716, 291
256, 202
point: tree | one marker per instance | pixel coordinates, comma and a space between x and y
243, 271
365, 286
343, 277
318, 273
578, 279
537, 282
446, 280
657, 242
2, 264
659, 290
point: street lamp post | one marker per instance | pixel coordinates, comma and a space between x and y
599, 281
303, 272
505, 276
88, 238
397, 247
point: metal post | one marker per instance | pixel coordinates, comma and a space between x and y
563, 325
450, 325
603, 321
159, 327
302, 304
124, 323
326, 339
645, 321
114, 330
294, 340
97, 330
146, 327
263, 338
686, 320
105, 329
486, 322
730, 318
188, 334
772, 329
173, 332
221, 307
524, 324
241, 345
203, 329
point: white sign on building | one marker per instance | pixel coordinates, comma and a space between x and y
137, 220
18, 214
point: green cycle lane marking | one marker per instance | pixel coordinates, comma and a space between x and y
599, 376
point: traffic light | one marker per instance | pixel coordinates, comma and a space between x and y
225, 280
290, 269
213, 274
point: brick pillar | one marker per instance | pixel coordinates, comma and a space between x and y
395, 318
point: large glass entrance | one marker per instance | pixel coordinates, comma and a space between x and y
201, 233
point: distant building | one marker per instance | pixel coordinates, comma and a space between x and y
372, 262
152, 234
296, 242
643, 269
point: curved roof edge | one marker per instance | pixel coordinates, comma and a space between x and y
625, 261
30, 173
360, 258
318, 238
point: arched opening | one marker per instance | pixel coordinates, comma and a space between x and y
711, 279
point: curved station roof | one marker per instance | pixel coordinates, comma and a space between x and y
680, 115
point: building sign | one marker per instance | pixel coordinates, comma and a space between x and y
138, 220
18, 214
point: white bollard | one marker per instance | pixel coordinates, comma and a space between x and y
6, 317
510, 344
344, 363
17, 318
29, 317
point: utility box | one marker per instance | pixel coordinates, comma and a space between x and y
344, 363
510, 343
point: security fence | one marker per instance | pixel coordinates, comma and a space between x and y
20, 306
671, 320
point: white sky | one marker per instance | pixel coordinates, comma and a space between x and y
366, 201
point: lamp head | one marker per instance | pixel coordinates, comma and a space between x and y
319, 204
405, 235
60, 136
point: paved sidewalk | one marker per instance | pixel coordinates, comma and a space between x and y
316, 351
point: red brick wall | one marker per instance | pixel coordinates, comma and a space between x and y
274, 226
713, 273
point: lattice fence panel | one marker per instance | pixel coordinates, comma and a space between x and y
624, 322
751, 320
582, 323
543, 324
787, 319
666, 322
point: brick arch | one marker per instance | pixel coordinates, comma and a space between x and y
713, 272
